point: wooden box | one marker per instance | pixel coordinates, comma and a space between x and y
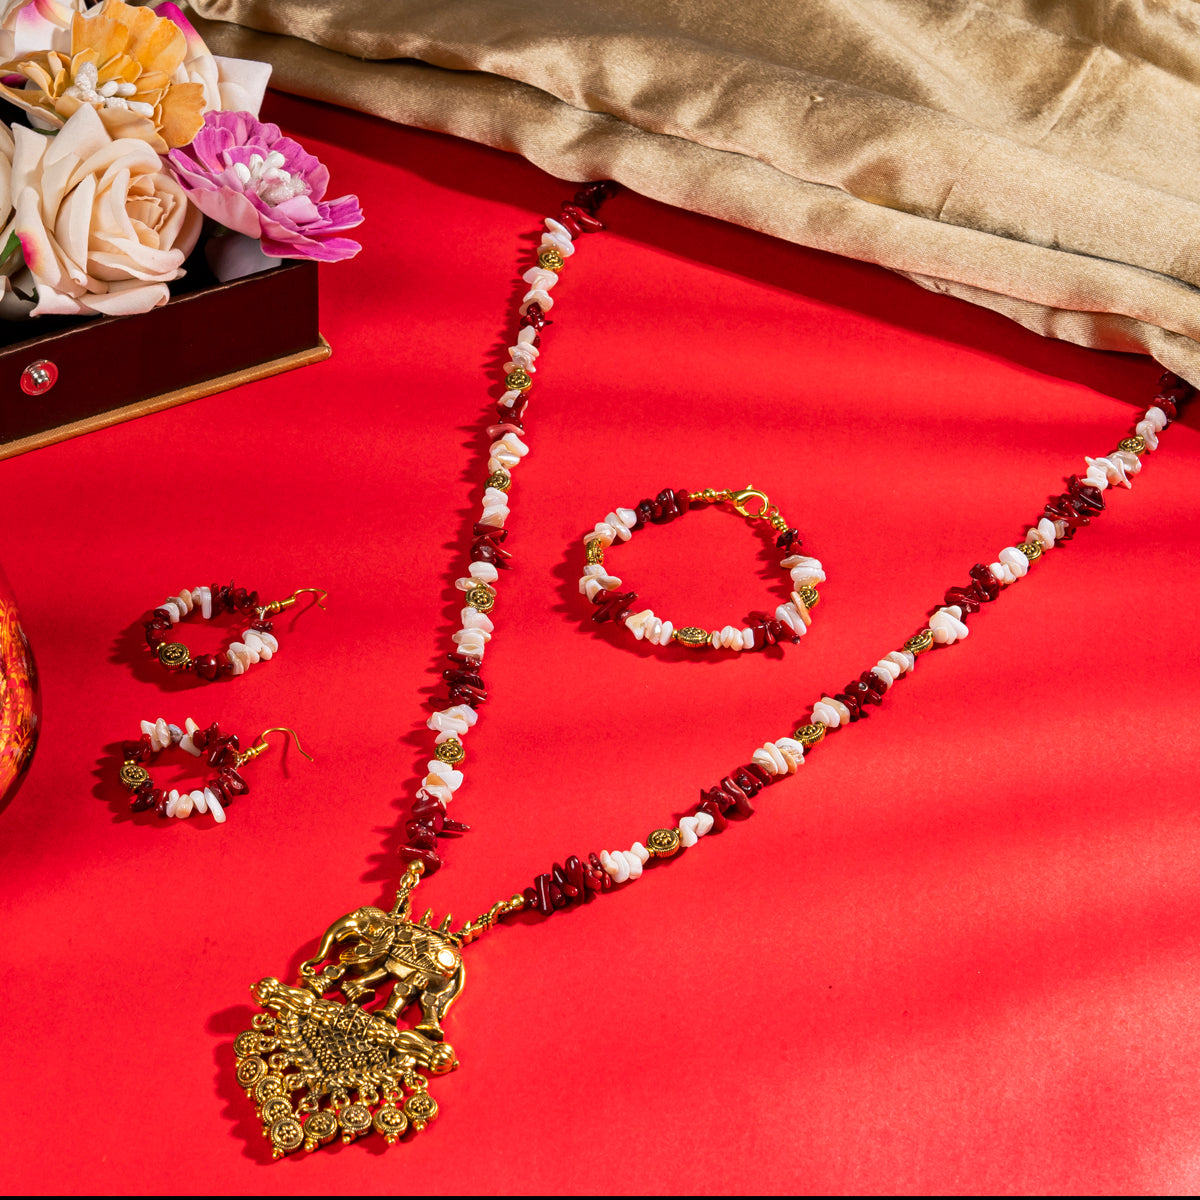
109, 369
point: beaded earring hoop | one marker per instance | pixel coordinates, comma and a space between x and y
224, 753
257, 642
760, 630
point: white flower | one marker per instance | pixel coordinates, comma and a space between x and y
31, 26
230, 84
103, 226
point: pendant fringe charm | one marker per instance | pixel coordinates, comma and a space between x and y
306, 1054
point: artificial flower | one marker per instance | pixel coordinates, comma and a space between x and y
230, 84
6, 156
249, 177
29, 26
102, 224
122, 63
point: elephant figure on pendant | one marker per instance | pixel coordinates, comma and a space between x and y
424, 964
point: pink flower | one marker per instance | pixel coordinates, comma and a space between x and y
251, 178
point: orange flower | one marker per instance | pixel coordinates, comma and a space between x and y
121, 63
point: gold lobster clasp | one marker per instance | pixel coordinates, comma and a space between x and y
745, 497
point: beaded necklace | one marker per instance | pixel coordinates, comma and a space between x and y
319, 1068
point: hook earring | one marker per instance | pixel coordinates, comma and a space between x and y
222, 751
257, 642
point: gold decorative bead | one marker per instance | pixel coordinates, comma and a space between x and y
133, 775
1135, 444
810, 735
174, 655
919, 642
516, 902
450, 751
519, 380
808, 594
550, 259
481, 597
286, 1135
662, 843
500, 480
691, 636
390, 1122
1032, 550
595, 551
420, 1108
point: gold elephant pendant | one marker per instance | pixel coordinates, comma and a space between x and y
318, 1068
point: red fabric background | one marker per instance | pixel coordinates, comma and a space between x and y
956, 953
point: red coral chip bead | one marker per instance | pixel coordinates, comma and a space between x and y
574, 873
425, 806
606, 883
714, 810
965, 598
534, 316
530, 895
741, 802
202, 737
664, 507
156, 635
486, 552
430, 858
223, 754
420, 835
748, 783
147, 796
452, 828
207, 666
586, 220
542, 888
986, 584
764, 777
234, 783
138, 751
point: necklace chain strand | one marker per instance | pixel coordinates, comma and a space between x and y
320, 1068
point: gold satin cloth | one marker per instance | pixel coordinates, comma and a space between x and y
1037, 157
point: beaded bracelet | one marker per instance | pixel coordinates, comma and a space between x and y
223, 752
791, 619
257, 641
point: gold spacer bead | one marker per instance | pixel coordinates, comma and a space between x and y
175, 656
519, 380
133, 775
1032, 550
550, 259
662, 843
1135, 444
692, 637
920, 642
500, 480
595, 551
808, 594
450, 751
516, 902
481, 598
810, 735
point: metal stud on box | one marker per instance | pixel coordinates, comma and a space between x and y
39, 377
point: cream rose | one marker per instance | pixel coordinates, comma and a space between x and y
102, 226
